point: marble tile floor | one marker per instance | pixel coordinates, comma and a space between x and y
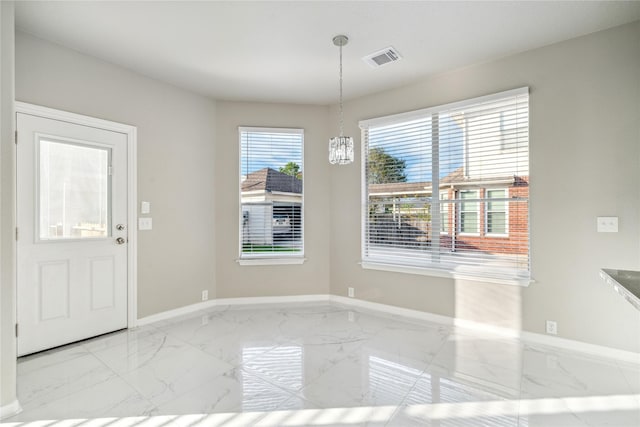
319, 364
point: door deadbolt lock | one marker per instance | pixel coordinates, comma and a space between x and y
120, 227
120, 240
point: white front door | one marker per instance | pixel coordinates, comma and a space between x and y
72, 232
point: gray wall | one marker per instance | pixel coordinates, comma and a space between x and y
7, 208
312, 277
176, 131
585, 162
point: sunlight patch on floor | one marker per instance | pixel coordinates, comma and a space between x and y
357, 415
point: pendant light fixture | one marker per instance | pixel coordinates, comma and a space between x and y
341, 147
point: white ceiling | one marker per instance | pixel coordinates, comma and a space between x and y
282, 51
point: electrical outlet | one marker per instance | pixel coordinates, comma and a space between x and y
145, 223
552, 327
205, 295
351, 292
607, 224
350, 316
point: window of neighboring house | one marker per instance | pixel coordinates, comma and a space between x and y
496, 215
469, 220
271, 193
460, 147
444, 213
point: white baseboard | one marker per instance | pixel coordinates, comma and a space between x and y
165, 315
596, 350
529, 337
10, 409
275, 300
393, 310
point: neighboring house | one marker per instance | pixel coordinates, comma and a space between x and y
271, 207
483, 214
492, 224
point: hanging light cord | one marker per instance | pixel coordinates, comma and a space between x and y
341, 113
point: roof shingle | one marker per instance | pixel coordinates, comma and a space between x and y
271, 180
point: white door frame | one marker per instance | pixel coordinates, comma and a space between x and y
132, 185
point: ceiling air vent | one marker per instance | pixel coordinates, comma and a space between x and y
382, 57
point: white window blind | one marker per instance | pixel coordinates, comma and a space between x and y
271, 192
474, 154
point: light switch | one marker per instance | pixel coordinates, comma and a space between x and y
145, 223
607, 224
145, 207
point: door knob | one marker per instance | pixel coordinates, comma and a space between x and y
120, 240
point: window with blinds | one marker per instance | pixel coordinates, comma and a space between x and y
446, 189
271, 192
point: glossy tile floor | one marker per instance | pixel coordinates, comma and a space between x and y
319, 364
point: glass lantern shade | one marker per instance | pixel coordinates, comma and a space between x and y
341, 150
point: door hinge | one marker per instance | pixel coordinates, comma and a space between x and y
16, 234
110, 170
16, 137
16, 330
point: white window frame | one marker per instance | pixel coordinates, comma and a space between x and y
506, 212
455, 271
475, 200
269, 258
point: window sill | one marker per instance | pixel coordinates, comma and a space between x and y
271, 261
495, 235
469, 274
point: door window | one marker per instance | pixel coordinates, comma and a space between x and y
73, 190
